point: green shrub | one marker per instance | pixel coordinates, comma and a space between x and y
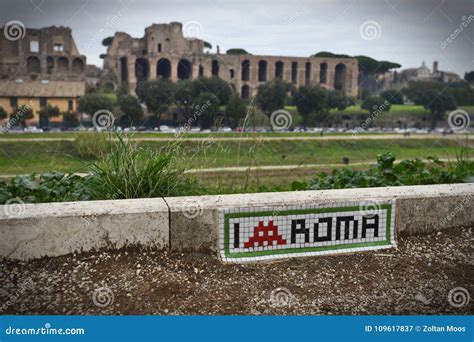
387, 173
130, 171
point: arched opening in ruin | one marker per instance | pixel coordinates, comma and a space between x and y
33, 65
245, 91
63, 64
262, 71
124, 70
184, 69
49, 64
142, 69
245, 70
77, 66
201, 70
215, 68
163, 68
340, 77
231, 73
294, 72
323, 73
307, 73
279, 68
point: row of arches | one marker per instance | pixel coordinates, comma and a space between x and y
185, 71
59, 64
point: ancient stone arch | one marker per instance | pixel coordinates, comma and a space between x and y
340, 77
201, 70
142, 69
63, 64
123, 70
323, 73
262, 71
163, 68
279, 69
245, 70
77, 66
33, 65
245, 91
307, 73
50, 64
215, 68
294, 72
185, 69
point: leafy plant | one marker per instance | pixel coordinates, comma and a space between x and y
387, 173
91, 145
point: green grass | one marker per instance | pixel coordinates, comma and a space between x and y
27, 157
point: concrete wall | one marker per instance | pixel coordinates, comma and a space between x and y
181, 223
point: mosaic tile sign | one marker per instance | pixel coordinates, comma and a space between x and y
253, 234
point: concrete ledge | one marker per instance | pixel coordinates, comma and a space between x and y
53, 229
194, 221
181, 223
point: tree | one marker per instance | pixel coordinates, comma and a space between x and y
186, 93
46, 113
3, 113
271, 95
207, 45
392, 96
236, 110
91, 103
215, 85
311, 102
469, 77
375, 105
132, 109
70, 119
337, 100
21, 115
107, 41
207, 108
237, 51
433, 97
157, 95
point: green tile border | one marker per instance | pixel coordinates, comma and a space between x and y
228, 216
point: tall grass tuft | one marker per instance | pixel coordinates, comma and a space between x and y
92, 145
130, 171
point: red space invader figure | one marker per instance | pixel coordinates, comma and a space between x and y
265, 233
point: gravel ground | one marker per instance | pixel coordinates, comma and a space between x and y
415, 278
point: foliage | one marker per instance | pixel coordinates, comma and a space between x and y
70, 119
387, 173
326, 54
469, 77
237, 51
91, 103
157, 95
368, 65
92, 145
208, 106
207, 45
392, 96
46, 113
215, 85
337, 100
236, 110
21, 115
271, 95
462, 93
375, 104
107, 41
311, 102
134, 172
46, 187
131, 108
3, 113
433, 97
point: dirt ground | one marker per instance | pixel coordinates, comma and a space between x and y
414, 278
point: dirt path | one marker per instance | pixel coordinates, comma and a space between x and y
414, 278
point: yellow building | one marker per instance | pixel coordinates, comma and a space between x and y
38, 94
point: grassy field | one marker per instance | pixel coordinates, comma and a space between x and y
23, 157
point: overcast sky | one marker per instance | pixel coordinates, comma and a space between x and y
403, 31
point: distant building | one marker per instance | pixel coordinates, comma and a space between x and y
164, 52
44, 67
423, 73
